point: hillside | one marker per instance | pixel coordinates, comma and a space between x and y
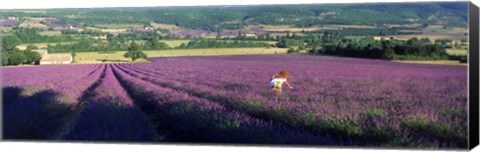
234, 17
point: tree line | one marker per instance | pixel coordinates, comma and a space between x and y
86, 44
387, 49
334, 43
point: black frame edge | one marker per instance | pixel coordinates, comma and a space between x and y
473, 56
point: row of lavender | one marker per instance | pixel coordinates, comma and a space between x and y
95, 107
8, 22
87, 103
185, 118
368, 102
34, 79
41, 114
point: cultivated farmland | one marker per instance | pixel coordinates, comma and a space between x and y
96, 57
226, 99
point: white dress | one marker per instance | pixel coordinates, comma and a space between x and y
276, 83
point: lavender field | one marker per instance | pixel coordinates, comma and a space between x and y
226, 99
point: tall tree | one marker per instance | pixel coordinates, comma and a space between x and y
32, 57
134, 52
73, 55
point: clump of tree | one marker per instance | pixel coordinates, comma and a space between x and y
460, 58
420, 49
134, 52
11, 55
364, 48
292, 50
15, 57
73, 56
413, 49
153, 43
288, 43
32, 57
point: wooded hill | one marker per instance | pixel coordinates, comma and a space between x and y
233, 17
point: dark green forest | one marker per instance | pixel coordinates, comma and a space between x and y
333, 43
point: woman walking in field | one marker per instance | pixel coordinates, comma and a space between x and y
277, 81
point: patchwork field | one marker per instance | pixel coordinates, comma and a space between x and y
33, 23
226, 99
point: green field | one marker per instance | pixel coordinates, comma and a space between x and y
95, 57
